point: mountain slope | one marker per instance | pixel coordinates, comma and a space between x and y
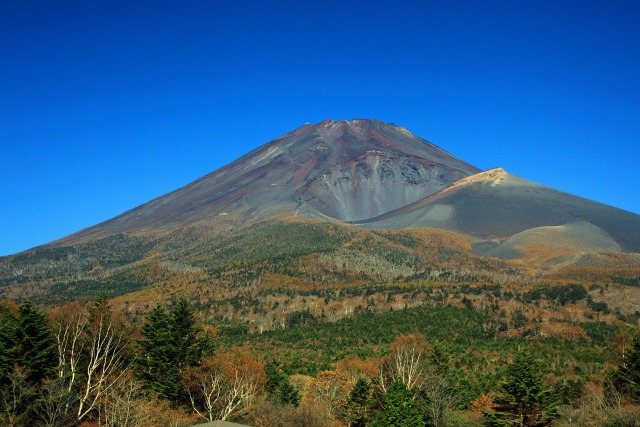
311, 167
338, 203
496, 205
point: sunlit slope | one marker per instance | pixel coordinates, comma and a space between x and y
495, 205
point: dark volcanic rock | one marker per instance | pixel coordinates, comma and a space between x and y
375, 183
379, 175
348, 170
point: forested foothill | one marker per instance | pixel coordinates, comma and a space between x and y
316, 324
465, 360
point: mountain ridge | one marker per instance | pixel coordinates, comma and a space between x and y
264, 181
372, 174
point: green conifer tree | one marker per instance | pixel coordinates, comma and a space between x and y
626, 379
274, 378
186, 334
8, 343
160, 370
172, 342
278, 386
523, 398
358, 403
36, 349
287, 394
399, 409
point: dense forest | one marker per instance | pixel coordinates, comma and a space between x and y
465, 361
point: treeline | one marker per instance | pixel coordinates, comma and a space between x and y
86, 364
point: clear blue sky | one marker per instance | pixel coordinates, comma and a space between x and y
106, 105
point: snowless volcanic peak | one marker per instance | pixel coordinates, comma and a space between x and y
346, 170
379, 167
377, 175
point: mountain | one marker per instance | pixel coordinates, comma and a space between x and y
332, 250
348, 202
380, 176
346, 170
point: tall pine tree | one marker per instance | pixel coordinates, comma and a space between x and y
287, 393
358, 403
399, 409
36, 349
626, 379
160, 370
274, 378
523, 398
172, 342
278, 386
186, 334
8, 342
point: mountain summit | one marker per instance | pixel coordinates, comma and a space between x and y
343, 170
377, 175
